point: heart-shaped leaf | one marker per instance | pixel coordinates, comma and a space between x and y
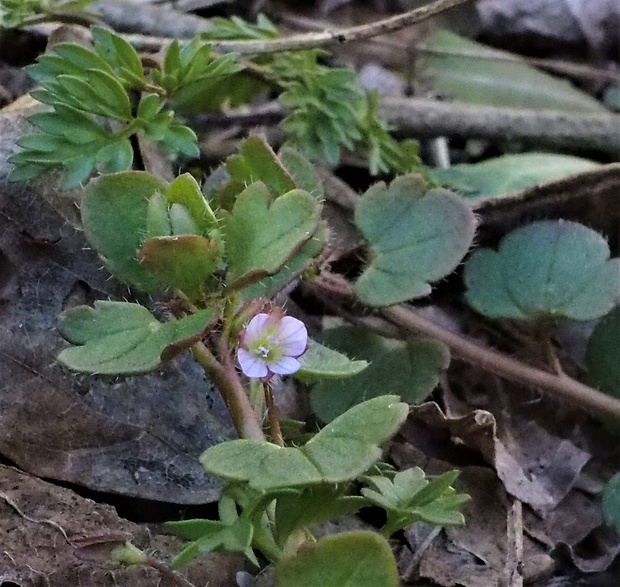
119, 338
321, 362
183, 262
343, 450
415, 237
351, 559
262, 236
419, 364
114, 212
603, 354
546, 269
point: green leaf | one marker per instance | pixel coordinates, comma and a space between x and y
182, 262
237, 29
321, 362
82, 57
611, 503
495, 177
472, 72
116, 156
180, 140
547, 269
302, 171
114, 217
343, 450
185, 190
262, 236
603, 354
385, 154
350, 559
256, 161
96, 92
312, 505
323, 104
75, 126
418, 363
411, 498
210, 536
301, 262
119, 338
121, 56
414, 238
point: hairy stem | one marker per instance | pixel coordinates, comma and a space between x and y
272, 414
224, 376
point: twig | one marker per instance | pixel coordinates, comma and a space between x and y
313, 40
423, 117
431, 118
493, 361
514, 537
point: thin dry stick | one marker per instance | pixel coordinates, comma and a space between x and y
424, 117
493, 361
319, 39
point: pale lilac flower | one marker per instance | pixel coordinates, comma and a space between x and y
271, 345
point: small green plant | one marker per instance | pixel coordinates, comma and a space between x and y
218, 256
17, 13
222, 258
99, 99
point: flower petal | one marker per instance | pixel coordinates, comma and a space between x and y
256, 328
292, 336
250, 365
284, 366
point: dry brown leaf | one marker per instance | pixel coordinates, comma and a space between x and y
140, 436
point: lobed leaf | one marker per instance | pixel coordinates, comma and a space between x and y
547, 269
262, 236
419, 364
120, 338
342, 451
409, 498
415, 237
114, 217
